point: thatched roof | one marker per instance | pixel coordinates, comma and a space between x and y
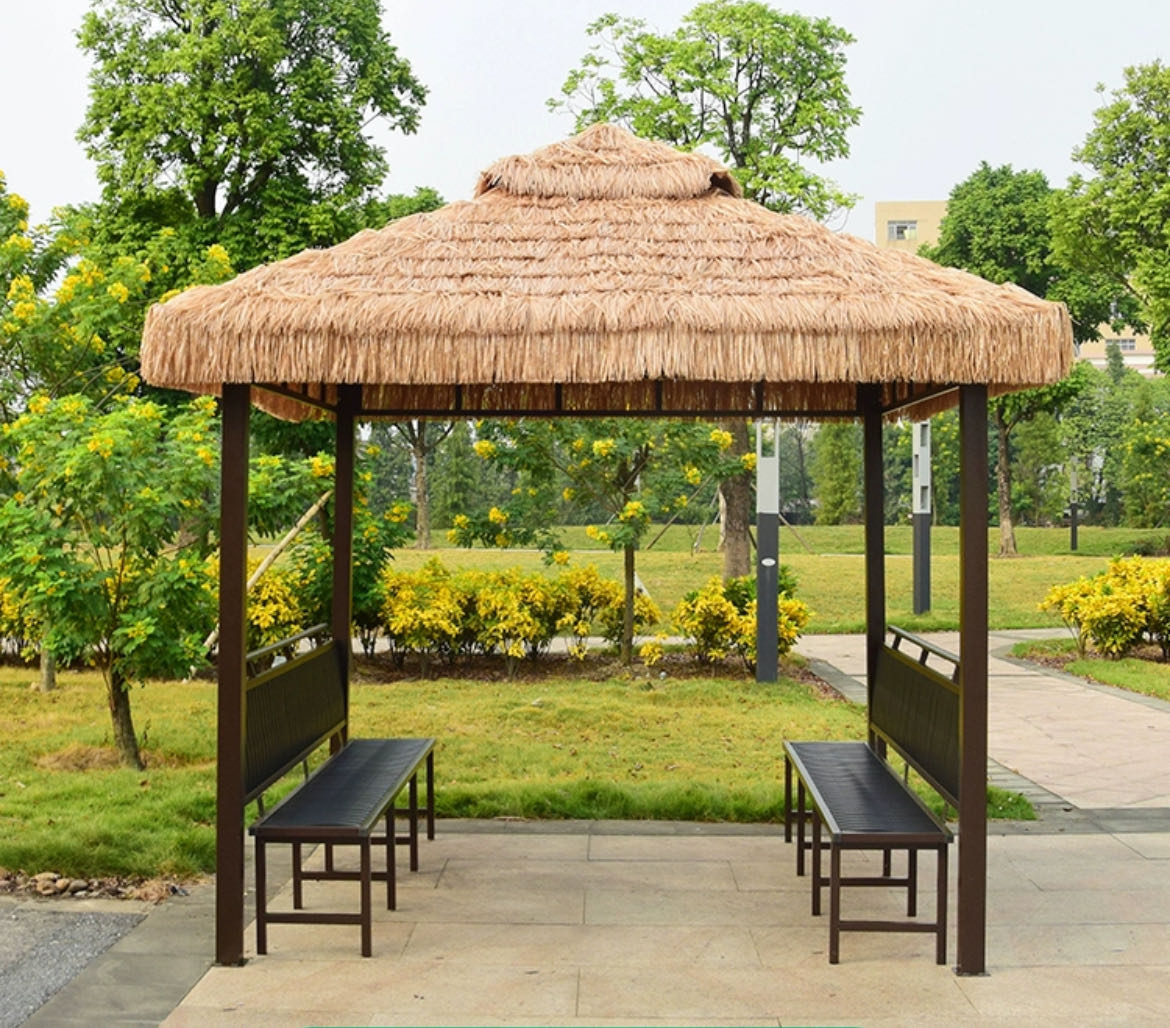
605, 273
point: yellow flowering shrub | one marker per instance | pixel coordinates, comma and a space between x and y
422, 613
720, 621
1113, 610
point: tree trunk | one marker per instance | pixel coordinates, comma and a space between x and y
118, 695
628, 608
422, 519
48, 680
735, 502
1003, 481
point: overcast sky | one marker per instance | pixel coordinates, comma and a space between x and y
942, 84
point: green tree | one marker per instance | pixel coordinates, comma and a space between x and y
998, 226
765, 89
836, 472
243, 122
1116, 222
93, 535
635, 469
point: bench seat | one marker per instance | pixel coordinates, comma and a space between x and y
342, 803
862, 805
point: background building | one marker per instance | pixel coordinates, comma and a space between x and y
908, 224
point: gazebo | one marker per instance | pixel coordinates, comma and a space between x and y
607, 274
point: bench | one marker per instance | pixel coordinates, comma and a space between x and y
856, 801
291, 711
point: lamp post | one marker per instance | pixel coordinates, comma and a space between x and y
921, 507
767, 556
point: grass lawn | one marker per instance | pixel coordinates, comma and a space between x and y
1146, 676
599, 745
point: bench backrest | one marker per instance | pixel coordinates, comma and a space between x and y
289, 711
915, 710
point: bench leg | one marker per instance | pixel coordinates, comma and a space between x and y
413, 791
941, 910
800, 818
912, 883
261, 900
298, 890
816, 864
431, 795
367, 926
787, 799
391, 871
834, 904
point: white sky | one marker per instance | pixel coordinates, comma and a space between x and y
943, 84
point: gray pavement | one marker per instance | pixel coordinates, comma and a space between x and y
626, 923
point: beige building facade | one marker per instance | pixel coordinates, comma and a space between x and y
908, 224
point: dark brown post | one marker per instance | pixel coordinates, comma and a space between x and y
233, 575
869, 400
348, 401
972, 905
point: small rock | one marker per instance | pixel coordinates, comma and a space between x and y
46, 876
78, 885
47, 888
61, 885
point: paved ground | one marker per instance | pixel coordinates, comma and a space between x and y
614, 923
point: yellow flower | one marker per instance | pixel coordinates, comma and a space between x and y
39, 404
118, 291
748, 460
694, 476
205, 455
462, 521
568, 494
632, 511
603, 447
721, 438
102, 445
320, 467
561, 557
484, 448
592, 531
497, 516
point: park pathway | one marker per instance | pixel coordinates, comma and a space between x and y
1094, 747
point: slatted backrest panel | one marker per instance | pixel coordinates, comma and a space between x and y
289, 711
916, 711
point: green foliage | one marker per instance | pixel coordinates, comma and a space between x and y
765, 89
836, 472
1116, 223
70, 316
245, 123
633, 469
1145, 471
93, 533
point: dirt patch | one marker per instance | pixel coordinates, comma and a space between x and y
50, 885
79, 757
555, 666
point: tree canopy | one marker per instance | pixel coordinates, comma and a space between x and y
1116, 222
245, 119
765, 89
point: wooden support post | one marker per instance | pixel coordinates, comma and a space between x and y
869, 400
348, 402
972, 899
232, 674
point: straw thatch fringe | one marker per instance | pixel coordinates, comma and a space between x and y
605, 261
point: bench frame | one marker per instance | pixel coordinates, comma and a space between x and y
914, 710
291, 711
